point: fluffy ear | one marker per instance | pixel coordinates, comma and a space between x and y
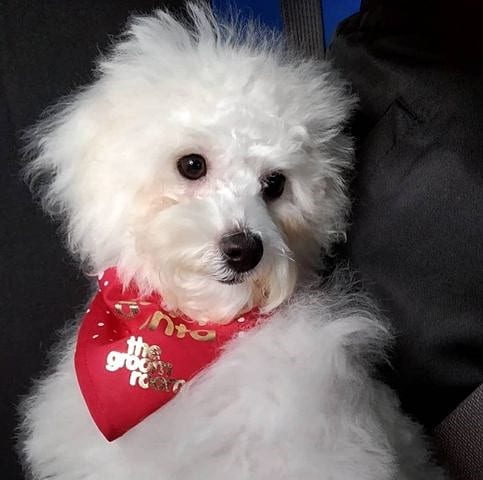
61, 155
54, 150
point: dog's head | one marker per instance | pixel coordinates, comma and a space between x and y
203, 162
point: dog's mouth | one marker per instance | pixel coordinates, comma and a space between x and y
234, 279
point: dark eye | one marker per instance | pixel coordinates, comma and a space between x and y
192, 166
273, 185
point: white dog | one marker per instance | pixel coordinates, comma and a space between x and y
206, 166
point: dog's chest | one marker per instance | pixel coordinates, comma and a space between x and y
264, 395
266, 405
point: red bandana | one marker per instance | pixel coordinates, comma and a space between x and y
132, 356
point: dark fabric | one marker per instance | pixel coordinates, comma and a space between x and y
417, 231
460, 438
46, 50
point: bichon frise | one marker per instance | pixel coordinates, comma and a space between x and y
199, 178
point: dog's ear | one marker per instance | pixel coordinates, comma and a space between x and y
325, 102
54, 151
59, 156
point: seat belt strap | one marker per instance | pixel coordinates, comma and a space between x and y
303, 26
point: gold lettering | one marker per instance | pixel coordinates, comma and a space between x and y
203, 335
181, 330
153, 352
133, 308
159, 384
152, 323
177, 385
199, 335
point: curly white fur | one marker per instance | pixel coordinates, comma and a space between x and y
293, 399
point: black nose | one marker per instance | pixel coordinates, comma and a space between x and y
242, 250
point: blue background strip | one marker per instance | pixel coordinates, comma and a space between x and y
334, 11
269, 11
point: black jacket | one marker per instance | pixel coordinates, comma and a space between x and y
417, 232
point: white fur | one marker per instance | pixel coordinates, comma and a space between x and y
292, 399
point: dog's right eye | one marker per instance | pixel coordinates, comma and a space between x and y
192, 166
273, 185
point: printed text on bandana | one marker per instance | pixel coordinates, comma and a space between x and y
145, 364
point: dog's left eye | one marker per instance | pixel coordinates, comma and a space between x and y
273, 185
192, 166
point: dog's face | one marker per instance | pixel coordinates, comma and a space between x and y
204, 168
